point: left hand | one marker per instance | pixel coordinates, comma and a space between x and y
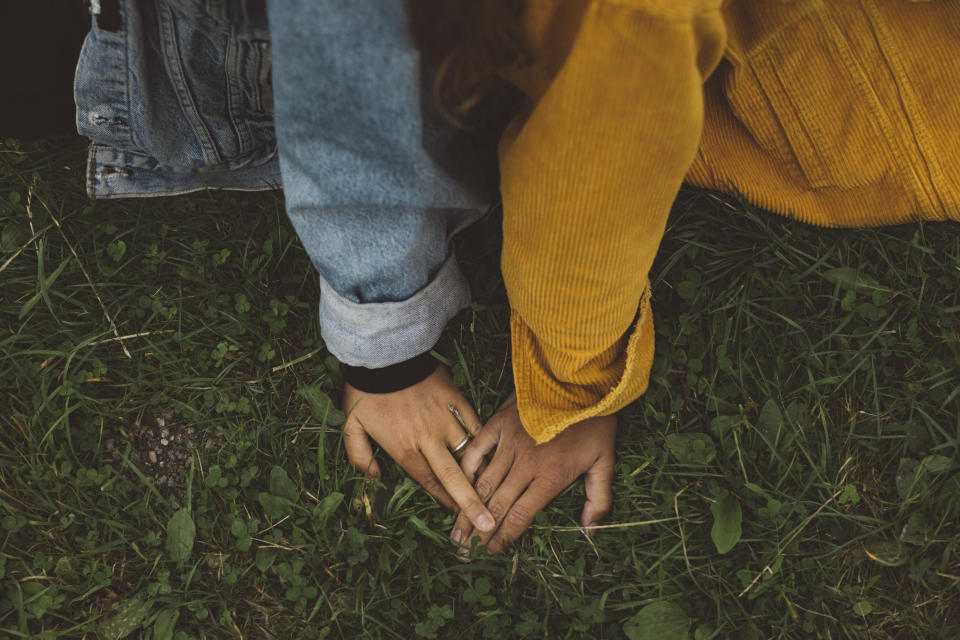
523, 477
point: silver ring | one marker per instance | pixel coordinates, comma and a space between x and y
462, 444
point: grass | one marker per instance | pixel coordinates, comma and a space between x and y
162, 357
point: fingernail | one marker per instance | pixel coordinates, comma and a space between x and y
485, 523
457, 534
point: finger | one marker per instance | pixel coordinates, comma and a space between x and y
520, 516
491, 474
462, 530
503, 498
475, 452
359, 450
490, 477
598, 483
419, 469
464, 426
447, 470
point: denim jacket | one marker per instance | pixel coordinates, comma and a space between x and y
178, 95
175, 96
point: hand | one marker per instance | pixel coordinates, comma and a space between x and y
417, 429
523, 477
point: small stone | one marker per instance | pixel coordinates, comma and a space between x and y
161, 421
165, 433
164, 441
109, 444
153, 457
191, 431
208, 443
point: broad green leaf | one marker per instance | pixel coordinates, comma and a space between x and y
704, 631
915, 531
326, 507
165, 624
727, 517
658, 620
129, 615
911, 479
720, 425
850, 495
64, 569
863, 607
770, 420
851, 279
281, 485
691, 448
238, 527
117, 249
265, 558
321, 405
244, 542
181, 533
937, 464
274, 506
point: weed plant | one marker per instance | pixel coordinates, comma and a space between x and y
171, 467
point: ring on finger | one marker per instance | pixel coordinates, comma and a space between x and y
463, 443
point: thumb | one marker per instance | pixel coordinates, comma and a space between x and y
359, 450
599, 487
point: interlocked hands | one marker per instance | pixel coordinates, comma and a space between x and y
503, 479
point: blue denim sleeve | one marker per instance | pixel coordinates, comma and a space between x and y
367, 185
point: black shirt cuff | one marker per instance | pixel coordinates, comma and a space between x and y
393, 378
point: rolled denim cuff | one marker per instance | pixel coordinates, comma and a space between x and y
380, 334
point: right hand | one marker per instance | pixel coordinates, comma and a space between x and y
417, 429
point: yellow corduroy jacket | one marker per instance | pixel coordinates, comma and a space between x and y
835, 112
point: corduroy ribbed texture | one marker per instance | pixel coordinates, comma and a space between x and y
588, 178
837, 113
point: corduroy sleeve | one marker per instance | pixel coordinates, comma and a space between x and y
589, 174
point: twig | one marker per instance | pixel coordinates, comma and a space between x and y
618, 525
30, 201
130, 336
103, 307
549, 588
281, 367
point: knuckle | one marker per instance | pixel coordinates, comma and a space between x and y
484, 488
554, 477
448, 475
405, 453
529, 459
519, 516
431, 484
496, 510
